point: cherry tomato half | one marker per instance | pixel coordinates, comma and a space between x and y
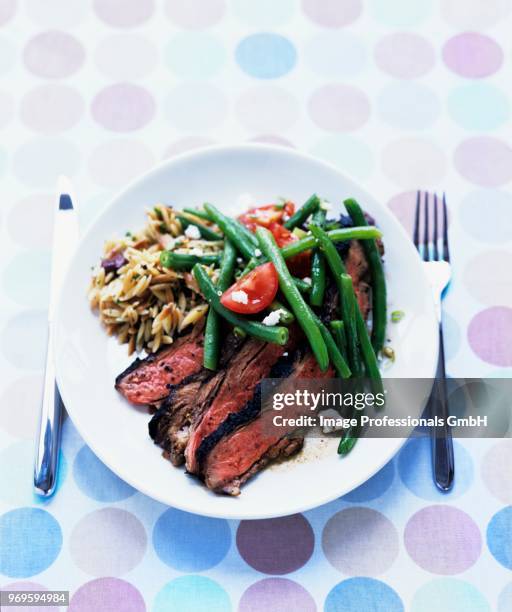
300, 265
266, 215
259, 286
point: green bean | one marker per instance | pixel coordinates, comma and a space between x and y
245, 231
301, 284
316, 297
197, 213
338, 269
251, 264
336, 235
338, 361
378, 278
275, 334
286, 316
348, 311
301, 310
212, 332
338, 329
308, 208
206, 232
239, 332
246, 248
186, 261
350, 437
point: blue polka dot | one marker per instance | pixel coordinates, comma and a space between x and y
16, 474
415, 469
375, 487
195, 54
357, 594
505, 599
190, 543
478, 106
192, 594
266, 56
30, 539
96, 480
26, 278
452, 336
499, 538
409, 106
449, 594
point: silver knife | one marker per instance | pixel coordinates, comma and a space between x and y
65, 238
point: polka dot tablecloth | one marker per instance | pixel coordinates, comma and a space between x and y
400, 94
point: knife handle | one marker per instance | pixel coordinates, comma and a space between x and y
48, 440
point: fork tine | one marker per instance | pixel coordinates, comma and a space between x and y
434, 236
416, 231
425, 230
446, 252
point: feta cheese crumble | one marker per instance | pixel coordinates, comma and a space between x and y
273, 317
192, 232
257, 253
307, 280
240, 297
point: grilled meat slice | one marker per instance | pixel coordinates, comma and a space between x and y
147, 380
359, 269
242, 453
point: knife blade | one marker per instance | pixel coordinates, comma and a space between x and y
65, 238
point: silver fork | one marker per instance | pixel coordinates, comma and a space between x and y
435, 253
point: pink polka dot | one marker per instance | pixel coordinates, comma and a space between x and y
7, 10
195, 14
6, 108
123, 107
116, 162
29, 586
403, 206
410, 162
484, 278
275, 140
405, 55
332, 13
126, 537
51, 108
490, 335
443, 540
124, 13
53, 55
484, 160
472, 55
187, 144
276, 594
339, 108
126, 56
107, 595
266, 109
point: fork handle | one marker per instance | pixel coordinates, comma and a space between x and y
443, 463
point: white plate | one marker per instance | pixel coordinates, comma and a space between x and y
88, 361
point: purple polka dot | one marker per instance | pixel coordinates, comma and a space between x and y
124, 13
53, 55
187, 144
126, 537
276, 546
107, 595
7, 10
490, 335
405, 55
29, 586
123, 107
443, 540
267, 109
51, 108
115, 162
360, 542
195, 14
279, 594
339, 108
484, 160
275, 140
332, 13
410, 162
472, 55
